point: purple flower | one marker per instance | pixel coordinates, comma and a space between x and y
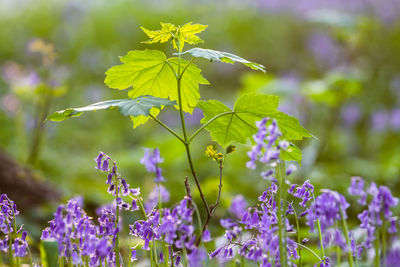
327, 208
238, 206
197, 257
79, 237
8, 213
174, 227
395, 119
357, 189
351, 115
305, 192
158, 193
151, 161
267, 146
379, 120
393, 257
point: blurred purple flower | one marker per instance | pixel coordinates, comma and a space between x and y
151, 160
351, 114
157, 192
326, 52
395, 119
238, 206
379, 120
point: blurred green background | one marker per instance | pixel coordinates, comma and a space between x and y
336, 66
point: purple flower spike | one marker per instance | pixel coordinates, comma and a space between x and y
151, 161
267, 148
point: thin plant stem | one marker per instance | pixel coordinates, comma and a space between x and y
221, 167
15, 231
213, 207
383, 229
11, 256
207, 123
187, 145
338, 255
167, 128
346, 233
310, 250
43, 110
298, 236
377, 245
280, 173
116, 248
198, 216
321, 243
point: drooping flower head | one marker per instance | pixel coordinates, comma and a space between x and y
328, 208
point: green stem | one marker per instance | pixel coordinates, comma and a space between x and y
346, 233
116, 248
377, 245
15, 231
320, 234
207, 123
221, 167
298, 236
310, 250
280, 173
40, 127
167, 128
186, 143
11, 256
384, 240
338, 255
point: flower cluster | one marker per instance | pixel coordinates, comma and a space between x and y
304, 192
268, 147
174, 227
262, 246
378, 211
78, 237
118, 187
151, 161
328, 208
8, 227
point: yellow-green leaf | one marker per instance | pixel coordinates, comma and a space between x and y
165, 34
149, 72
187, 34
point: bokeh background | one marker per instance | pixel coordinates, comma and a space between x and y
335, 64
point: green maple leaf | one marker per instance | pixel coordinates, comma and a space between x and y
238, 124
181, 34
222, 56
149, 72
187, 34
140, 106
167, 32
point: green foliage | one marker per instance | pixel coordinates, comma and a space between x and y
139, 106
155, 78
179, 35
335, 88
292, 153
237, 125
49, 253
222, 56
151, 73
